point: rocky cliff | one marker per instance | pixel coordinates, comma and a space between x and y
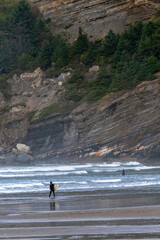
121, 125
96, 17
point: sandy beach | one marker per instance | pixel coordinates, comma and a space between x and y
85, 215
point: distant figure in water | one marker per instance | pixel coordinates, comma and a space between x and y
51, 189
123, 172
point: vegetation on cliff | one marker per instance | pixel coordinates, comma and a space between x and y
125, 59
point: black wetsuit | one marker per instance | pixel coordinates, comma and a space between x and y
52, 190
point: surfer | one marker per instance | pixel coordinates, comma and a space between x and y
51, 189
123, 172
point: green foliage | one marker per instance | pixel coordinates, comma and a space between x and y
26, 43
90, 56
68, 26
74, 96
23, 61
109, 44
3, 82
48, 111
76, 78
22, 38
45, 55
74, 86
21, 19
31, 115
81, 44
60, 53
100, 85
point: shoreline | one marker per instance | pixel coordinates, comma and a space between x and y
93, 160
117, 221
32, 218
111, 213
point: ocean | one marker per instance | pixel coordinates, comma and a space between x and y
79, 177
94, 201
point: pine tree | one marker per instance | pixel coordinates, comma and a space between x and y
81, 44
110, 44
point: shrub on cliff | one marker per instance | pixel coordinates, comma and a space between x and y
74, 87
100, 86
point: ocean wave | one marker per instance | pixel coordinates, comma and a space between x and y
106, 181
44, 168
141, 184
38, 169
146, 168
131, 163
23, 185
41, 174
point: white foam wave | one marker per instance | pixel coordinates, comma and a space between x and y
44, 168
106, 181
69, 182
115, 164
141, 184
64, 182
38, 169
146, 168
82, 182
131, 163
23, 185
41, 174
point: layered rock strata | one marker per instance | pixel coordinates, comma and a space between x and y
121, 125
96, 17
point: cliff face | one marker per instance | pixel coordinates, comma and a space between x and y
96, 17
124, 124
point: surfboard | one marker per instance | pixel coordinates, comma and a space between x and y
56, 187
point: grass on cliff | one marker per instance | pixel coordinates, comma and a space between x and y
26, 43
61, 107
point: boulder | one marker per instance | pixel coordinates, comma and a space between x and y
23, 148
10, 158
94, 69
24, 158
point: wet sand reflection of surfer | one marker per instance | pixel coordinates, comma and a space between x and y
54, 206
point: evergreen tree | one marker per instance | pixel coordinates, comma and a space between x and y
110, 44
22, 18
90, 56
45, 55
60, 52
21, 23
81, 44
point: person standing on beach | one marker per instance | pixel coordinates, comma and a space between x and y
51, 189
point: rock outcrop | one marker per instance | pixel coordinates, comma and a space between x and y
121, 125
96, 17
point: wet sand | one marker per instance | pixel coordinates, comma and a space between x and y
83, 215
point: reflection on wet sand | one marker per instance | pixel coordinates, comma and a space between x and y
54, 205
86, 215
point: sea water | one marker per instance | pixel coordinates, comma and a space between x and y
79, 177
